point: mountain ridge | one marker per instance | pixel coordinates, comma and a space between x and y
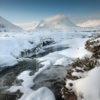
7, 26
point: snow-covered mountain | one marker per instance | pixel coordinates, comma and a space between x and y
6, 26
60, 22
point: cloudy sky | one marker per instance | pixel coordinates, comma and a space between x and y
28, 10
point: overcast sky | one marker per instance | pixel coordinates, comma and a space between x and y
18, 11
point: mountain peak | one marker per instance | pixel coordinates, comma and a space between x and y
56, 22
57, 17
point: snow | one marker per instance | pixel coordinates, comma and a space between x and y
78, 74
77, 48
7, 60
90, 86
87, 87
11, 47
63, 61
41, 94
28, 80
52, 57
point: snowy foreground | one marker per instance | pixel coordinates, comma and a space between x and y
73, 44
13, 44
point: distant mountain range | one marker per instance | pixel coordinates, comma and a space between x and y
58, 22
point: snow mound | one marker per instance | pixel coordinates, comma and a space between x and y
6, 26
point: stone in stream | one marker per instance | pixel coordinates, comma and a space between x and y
8, 96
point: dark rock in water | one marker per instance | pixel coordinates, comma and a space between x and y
46, 50
8, 97
45, 47
56, 88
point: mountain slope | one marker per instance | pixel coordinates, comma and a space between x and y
6, 26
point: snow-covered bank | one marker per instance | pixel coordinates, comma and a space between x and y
87, 88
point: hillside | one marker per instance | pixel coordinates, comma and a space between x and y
6, 26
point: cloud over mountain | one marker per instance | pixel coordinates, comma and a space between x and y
90, 23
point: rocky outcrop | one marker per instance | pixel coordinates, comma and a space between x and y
93, 45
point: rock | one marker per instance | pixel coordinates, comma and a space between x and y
8, 97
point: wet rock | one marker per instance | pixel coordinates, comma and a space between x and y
8, 96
